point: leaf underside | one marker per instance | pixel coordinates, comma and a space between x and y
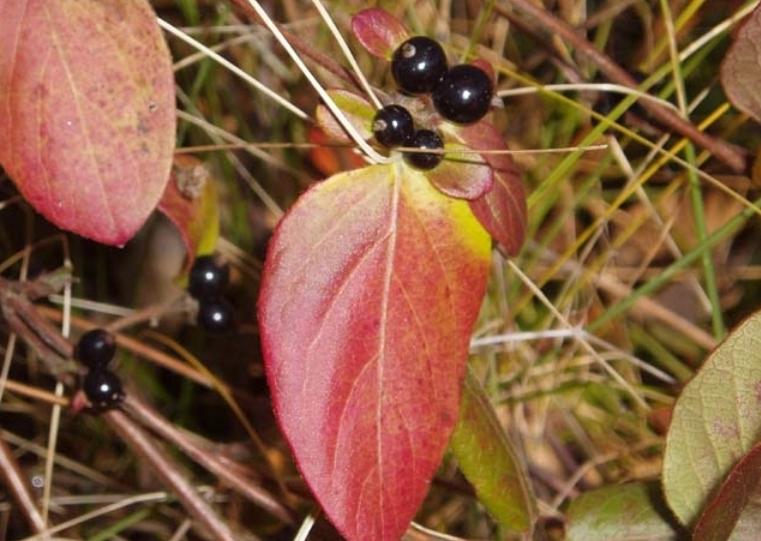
716, 421
490, 462
741, 68
190, 202
87, 113
372, 284
630, 512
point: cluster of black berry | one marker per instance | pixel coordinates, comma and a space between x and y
460, 94
207, 280
102, 387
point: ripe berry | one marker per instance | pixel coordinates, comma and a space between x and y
103, 389
424, 160
464, 94
95, 349
207, 277
215, 314
393, 126
418, 64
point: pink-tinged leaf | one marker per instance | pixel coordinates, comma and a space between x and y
190, 202
372, 283
741, 68
462, 174
735, 512
87, 112
488, 459
716, 421
502, 210
356, 108
487, 68
378, 31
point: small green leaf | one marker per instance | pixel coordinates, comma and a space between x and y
734, 512
631, 512
357, 109
717, 420
489, 461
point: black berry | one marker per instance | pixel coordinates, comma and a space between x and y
425, 160
207, 277
95, 348
393, 126
464, 94
418, 64
103, 389
215, 314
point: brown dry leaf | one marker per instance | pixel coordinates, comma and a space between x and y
741, 69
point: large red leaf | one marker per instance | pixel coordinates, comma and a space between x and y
87, 114
372, 284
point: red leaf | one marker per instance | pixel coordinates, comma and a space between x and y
741, 68
464, 175
371, 286
502, 211
87, 113
733, 511
328, 159
487, 68
190, 202
378, 31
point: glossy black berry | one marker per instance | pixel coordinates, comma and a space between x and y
393, 126
95, 348
418, 64
207, 277
103, 389
464, 94
425, 160
215, 314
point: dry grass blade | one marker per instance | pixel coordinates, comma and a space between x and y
16, 484
170, 476
237, 480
